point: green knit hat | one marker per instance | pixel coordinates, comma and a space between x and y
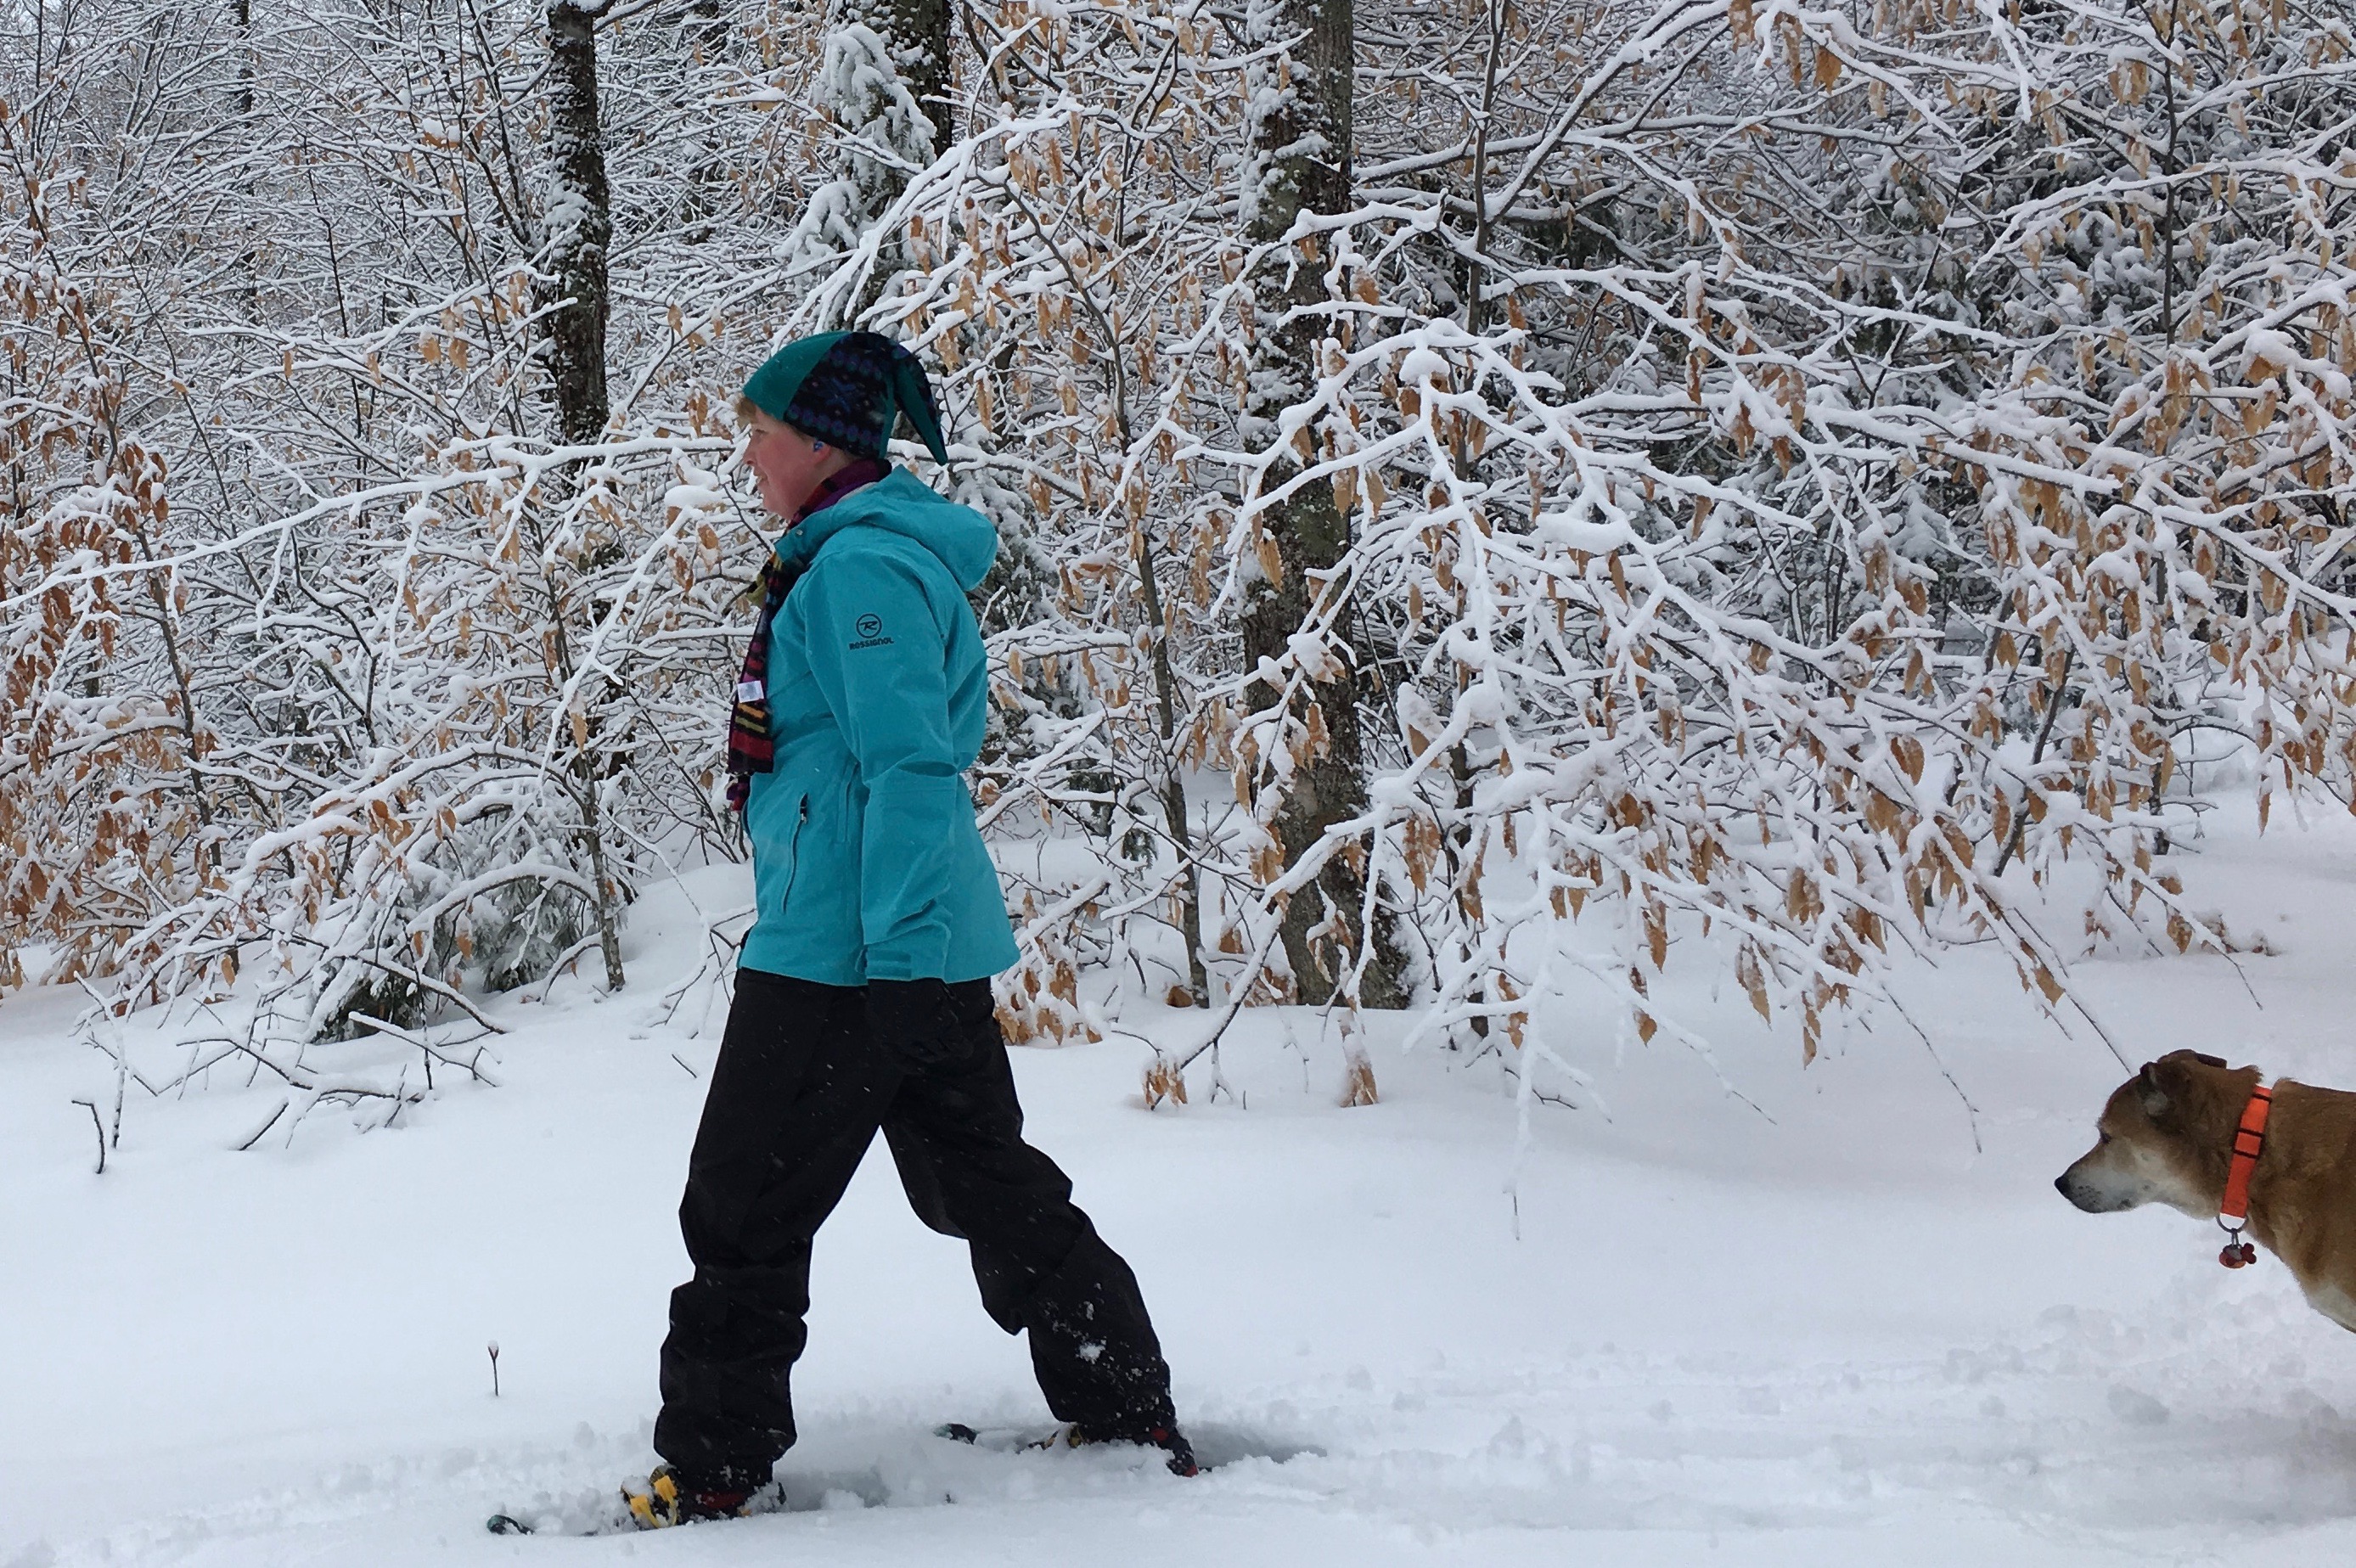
851, 388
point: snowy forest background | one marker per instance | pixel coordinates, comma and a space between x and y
1464, 466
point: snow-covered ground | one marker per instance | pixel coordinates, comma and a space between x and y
1818, 1328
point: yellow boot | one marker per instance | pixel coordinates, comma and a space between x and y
670, 1499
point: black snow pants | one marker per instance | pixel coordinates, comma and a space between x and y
796, 1098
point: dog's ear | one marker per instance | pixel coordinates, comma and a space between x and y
2151, 1092
2206, 1060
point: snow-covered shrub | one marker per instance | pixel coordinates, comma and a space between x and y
1785, 469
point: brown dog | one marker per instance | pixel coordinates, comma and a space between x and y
2168, 1137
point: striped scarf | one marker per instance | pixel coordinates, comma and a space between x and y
750, 748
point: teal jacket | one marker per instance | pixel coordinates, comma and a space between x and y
866, 861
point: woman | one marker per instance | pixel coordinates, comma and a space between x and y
862, 997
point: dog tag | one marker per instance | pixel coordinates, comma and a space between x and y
2238, 1254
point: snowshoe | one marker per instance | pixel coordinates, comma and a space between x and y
1178, 1454
671, 1498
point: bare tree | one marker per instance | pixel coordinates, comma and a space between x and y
577, 223
579, 227
1300, 96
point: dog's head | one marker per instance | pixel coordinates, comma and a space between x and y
2163, 1137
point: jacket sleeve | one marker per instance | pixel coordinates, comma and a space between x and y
877, 651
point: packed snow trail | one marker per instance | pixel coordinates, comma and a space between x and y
1821, 1330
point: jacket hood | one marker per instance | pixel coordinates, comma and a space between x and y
960, 537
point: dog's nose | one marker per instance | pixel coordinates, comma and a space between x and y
2061, 1185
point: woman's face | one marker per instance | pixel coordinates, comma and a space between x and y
788, 465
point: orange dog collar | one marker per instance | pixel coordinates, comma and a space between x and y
2249, 1142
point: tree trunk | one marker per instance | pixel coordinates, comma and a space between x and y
1172, 786
918, 32
1299, 117
706, 36
578, 227
1300, 143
